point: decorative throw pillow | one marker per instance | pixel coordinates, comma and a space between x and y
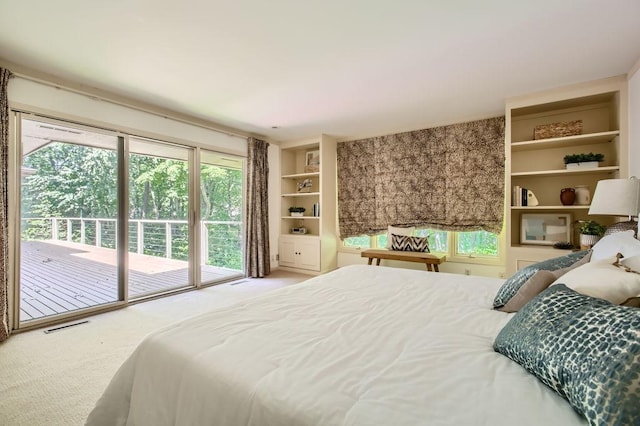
619, 242
398, 231
558, 265
534, 285
409, 243
603, 279
585, 349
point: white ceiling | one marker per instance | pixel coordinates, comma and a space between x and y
347, 68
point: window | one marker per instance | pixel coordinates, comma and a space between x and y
477, 244
480, 243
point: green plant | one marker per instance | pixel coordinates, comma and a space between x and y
590, 227
583, 158
294, 209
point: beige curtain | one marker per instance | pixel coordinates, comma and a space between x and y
257, 211
449, 178
5, 324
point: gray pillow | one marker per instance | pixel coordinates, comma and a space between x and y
586, 349
558, 265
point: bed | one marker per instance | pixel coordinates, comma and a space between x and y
357, 346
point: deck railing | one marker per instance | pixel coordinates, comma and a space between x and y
221, 241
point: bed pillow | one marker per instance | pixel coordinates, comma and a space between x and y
558, 265
618, 242
584, 348
534, 285
409, 243
603, 279
398, 231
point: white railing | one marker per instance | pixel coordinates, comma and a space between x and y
95, 231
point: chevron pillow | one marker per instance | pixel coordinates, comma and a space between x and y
409, 243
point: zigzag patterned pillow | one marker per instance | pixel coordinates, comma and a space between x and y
409, 243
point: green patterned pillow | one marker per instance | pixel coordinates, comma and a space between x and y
586, 349
511, 286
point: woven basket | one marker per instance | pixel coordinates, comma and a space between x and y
557, 130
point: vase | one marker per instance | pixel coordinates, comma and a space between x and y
588, 240
567, 196
583, 195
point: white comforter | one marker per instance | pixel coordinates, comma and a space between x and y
362, 345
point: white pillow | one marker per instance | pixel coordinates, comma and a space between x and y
603, 280
632, 263
619, 242
399, 231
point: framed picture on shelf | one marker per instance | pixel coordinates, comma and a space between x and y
312, 161
545, 228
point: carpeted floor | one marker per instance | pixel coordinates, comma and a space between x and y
56, 378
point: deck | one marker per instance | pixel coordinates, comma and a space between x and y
60, 276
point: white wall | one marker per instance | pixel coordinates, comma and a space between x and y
274, 201
64, 104
634, 121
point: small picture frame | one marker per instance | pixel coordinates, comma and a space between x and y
312, 158
545, 228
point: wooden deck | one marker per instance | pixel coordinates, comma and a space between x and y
59, 276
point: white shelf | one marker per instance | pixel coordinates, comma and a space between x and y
300, 217
301, 194
549, 207
588, 139
301, 175
565, 172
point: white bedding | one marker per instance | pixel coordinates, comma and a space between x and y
362, 345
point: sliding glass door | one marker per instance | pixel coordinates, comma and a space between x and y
68, 228
221, 206
106, 218
158, 217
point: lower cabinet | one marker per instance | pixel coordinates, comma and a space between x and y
300, 252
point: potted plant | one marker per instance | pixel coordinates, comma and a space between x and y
590, 232
297, 211
583, 161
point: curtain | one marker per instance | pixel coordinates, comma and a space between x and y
257, 211
5, 324
449, 178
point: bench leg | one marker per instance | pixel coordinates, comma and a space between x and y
370, 260
435, 267
378, 261
429, 267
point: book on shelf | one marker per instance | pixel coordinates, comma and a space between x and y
523, 197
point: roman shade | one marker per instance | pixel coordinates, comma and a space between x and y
449, 177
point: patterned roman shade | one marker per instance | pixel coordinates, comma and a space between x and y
449, 177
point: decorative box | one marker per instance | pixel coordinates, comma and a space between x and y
557, 130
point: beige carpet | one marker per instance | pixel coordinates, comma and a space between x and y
56, 378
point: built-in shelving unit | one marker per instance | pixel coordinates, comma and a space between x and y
315, 250
538, 164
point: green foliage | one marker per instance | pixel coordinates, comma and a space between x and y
590, 227
74, 181
583, 158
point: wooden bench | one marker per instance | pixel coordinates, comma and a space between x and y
429, 259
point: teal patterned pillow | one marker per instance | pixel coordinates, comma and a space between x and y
586, 349
520, 278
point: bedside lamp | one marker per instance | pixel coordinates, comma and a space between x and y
618, 197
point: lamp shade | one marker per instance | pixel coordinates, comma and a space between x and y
617, 197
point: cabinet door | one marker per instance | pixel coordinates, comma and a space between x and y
308, 254
287, 252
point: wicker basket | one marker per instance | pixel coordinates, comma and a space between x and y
557, 130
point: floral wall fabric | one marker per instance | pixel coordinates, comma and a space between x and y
257, 261
449, 177
5, 323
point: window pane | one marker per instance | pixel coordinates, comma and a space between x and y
362, 241
479, 242
381, 240
437, 239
